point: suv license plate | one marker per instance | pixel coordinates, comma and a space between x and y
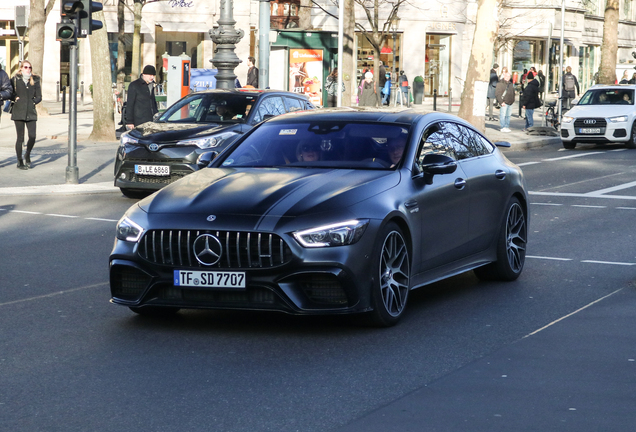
209, 279
590, 130
156, 170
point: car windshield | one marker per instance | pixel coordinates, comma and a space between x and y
321, 144
210, 108
608, 97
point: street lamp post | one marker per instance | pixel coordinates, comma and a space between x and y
395, 24
225, 36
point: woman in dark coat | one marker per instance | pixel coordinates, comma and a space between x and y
530, 100
27, 93
367, 93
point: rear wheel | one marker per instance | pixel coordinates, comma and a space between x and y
511, 246
390, 289
631, 144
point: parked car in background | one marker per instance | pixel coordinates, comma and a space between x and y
326, 212
605, 114
160, 152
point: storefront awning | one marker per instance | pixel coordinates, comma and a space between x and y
199, 27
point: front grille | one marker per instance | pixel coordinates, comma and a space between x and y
240, 249
128, 283
156, 179
324, 289
599, 123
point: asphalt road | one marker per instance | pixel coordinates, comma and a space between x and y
70, 361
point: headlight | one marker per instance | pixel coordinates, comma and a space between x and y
567, 119
128, 230
209, 141
341, 234
619, 119
126, 138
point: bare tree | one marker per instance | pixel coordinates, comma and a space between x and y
103, 117
609, 49
37, 19
348, 52
121, 45
473, 101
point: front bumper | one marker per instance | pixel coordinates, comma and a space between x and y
608, 132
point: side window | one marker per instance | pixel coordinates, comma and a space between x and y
461, 139
434, 142
293, 104
269, 106
485, 147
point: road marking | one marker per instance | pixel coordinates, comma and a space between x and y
570, 314
613, 189
626, 208
53, 294
587, 206
549, 258
608, 262
570, 157
60, 215
583, 195
102, 219
546, 204
25, 212
528, 163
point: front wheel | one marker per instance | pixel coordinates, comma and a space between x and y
134, 193
631, 144
390, 289
569, 145
511, 246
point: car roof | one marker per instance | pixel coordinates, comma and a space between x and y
251, 92
612, 86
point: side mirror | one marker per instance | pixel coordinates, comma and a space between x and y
156, 117
502, 144
435, 164
206, 158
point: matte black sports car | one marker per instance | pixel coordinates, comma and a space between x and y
326, 212
160, 152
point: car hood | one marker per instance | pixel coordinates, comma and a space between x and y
261, 192
171, 132
603, 111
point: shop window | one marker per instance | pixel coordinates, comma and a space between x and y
389, 58
284, 14
175, 48
437, 66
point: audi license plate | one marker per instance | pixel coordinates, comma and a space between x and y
590, 130
209, 279
155, 170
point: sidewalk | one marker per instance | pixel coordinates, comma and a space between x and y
95, 160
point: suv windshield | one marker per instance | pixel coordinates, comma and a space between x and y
210, 108
322, 145
608, 97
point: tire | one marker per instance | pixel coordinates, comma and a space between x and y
390, 289
134, 193
569, 145
155, 311
631, 144
511, 246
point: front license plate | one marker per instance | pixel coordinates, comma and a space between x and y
209, 279
590, 130
156, 170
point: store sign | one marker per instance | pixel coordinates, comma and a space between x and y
181, 3
441, 26
7, 32
305, 73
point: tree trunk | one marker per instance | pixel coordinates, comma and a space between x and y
348, 52
473, 101
136, 52
121, 46
103, 120
609, 49
37, 19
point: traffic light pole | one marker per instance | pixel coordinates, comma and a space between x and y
72, 172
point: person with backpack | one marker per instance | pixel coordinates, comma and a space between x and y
570, 87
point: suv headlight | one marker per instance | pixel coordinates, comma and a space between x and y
126, 139
618, 119
209, 141
340, 234
567, 119
128, 230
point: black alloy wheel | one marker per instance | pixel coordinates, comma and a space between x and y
631, 144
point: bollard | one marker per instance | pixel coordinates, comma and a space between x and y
82, 92
520, 94
450, 100
63, 99
57, 93
434, 99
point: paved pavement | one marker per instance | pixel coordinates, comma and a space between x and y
95, 159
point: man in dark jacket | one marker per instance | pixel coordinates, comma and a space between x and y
505, 95
141, 104
6, 89
530, 100
492, 86
252, 72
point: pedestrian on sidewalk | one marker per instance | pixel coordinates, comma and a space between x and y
505, 94
332, 88
570, 87
252, 72
530, 100
492, 87
403, 84
6, 88
27, 93
367, 93
141, 104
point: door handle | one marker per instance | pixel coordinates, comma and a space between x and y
500, 174
410, 204
460, 183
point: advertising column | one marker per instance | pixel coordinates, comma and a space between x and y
306, 72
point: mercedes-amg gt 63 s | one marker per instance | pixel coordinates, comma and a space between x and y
337, 211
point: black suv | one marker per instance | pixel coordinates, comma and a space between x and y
160, 152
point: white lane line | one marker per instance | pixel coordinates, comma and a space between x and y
626, 208
101, 219
546, 204
549, 258
613, 189
53, 294
571, 156
608, 262
60, 215
570, 314
587, 206
620, 149
25, 212
527, 163
585, 195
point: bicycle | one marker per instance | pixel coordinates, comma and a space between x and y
551, 116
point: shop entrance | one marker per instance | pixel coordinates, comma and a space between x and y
437, 66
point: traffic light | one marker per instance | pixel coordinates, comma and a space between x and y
66, 32
87, 23
70, 8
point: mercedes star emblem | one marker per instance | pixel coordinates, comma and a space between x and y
207, 249
211, 218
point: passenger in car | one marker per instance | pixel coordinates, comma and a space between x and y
626, 99
308, 152
396, 148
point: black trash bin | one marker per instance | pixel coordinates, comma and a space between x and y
418, 91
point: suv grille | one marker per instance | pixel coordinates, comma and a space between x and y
599, 123
240, 249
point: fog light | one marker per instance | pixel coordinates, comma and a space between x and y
123, 176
